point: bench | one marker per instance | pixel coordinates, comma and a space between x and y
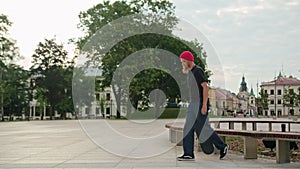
250, 140
254, 122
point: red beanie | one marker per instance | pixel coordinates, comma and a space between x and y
187, 55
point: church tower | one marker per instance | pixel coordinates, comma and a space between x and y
251, 103
246, 99
243, 87
243, 91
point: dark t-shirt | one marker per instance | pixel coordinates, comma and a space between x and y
195, 78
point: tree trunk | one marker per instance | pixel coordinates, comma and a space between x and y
118, 100
51, 112
129, 109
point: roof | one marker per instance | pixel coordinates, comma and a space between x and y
224, 94
291, 81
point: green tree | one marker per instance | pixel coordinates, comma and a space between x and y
290, 100
12, 82
8, 49
15, 90
262, 101
52, 73
158, 14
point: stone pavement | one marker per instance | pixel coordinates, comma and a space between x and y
85, 144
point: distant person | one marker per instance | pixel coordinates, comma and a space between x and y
196, 118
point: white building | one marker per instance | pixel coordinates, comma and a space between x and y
103, 104
275, 90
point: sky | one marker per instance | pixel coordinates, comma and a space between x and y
254, 38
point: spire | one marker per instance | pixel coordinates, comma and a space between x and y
280, 75
251, 92
243, 87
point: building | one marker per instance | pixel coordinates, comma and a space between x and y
252, 109
276, 89
103, 104
246, 99
223, 102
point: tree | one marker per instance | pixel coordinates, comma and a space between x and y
15, 90
158, 14
290, 100
52, 73
12, 82
262, 101
8, 49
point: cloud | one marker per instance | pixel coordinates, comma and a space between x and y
292, 3
239, 10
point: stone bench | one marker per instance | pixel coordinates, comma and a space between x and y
250, 140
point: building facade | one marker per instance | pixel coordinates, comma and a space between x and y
227, 103
103, 104
223, 102
276, 90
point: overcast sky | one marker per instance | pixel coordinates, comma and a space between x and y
257, 38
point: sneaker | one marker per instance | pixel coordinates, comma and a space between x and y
223, 152
185, 158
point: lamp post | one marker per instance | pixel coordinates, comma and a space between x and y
110, 109
275, 97
2, 110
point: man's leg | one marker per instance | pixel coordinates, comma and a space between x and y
217, 141
206, 133
219, 144
188, 134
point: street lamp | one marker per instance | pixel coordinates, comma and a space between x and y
275, 97
2, 110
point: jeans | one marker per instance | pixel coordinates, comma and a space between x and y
196, 122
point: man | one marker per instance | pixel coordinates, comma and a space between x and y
196, 118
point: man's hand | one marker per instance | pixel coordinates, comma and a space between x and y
204, 110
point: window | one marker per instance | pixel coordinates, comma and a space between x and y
279, 101
272, 92
251, 101
279, 91
272, 113
266, 91
97, 96
272, 102
107, 96
279, 112
107, 110
266, 112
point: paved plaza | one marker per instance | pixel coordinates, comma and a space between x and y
91, 144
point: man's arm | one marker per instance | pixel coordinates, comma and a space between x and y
205, 98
